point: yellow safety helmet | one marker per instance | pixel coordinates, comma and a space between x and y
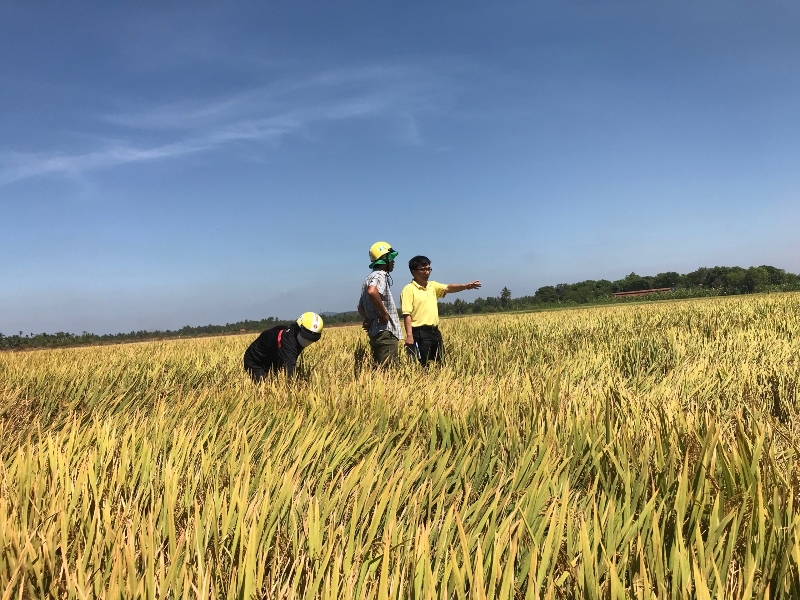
381, 253
310, 326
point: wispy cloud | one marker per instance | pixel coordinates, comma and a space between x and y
262, 115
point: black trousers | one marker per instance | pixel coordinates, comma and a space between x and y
259, 370
429, 343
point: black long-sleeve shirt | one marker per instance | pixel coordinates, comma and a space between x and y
275, 348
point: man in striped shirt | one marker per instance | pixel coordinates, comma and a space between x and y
376, 306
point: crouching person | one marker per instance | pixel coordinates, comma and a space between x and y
281, 346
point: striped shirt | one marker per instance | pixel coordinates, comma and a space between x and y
382, 281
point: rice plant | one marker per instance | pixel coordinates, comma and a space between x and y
643, 451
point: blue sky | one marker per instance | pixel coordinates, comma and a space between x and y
165, 164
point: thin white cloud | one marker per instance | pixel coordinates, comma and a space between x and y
262, 115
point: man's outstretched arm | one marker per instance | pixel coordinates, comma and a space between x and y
460, 287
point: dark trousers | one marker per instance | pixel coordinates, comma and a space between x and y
259, 370
428, 340
384, 348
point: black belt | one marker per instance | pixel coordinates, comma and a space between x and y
427, 327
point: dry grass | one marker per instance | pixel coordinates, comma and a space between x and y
637, 451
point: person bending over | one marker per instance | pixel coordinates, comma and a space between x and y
281, 346
376, 306
420, 310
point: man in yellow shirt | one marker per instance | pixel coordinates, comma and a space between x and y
418, 305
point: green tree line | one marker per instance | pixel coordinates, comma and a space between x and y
705, 281
43, 340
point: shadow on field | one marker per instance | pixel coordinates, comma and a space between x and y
362, 359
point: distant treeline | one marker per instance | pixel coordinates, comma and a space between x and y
716, 281
44, 340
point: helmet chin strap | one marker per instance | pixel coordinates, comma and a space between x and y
303, 341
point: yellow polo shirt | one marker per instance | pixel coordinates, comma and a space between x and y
420, 302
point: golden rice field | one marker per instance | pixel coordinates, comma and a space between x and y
642, 451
